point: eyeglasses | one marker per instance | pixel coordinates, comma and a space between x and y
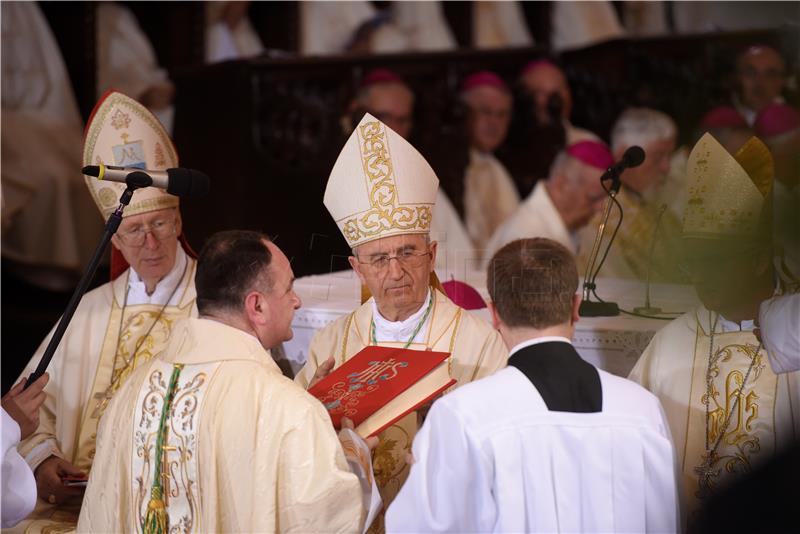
160, 230
406, 258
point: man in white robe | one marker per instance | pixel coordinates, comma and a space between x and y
490, 195
394, 258
119, 325
211, 437
549, 444
20, 419
49, 230
564, 203
648, 242
726, 408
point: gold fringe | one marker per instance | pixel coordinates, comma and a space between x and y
156, 521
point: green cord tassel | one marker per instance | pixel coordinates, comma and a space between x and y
156, 520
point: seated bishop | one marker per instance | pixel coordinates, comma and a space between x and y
381, 192
727, 410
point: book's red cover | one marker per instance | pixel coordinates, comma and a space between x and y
372, 378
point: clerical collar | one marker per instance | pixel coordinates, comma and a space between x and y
535, 341
386, 330
137, 291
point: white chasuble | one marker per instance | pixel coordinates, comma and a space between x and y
745, 422
244, 449
476, 350
103, 344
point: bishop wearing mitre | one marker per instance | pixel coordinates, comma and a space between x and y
727, 410
381, 193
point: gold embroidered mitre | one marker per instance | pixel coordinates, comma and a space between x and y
124, 133
727, 194
380, 186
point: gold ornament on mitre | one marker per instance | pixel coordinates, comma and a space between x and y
727, 194
122, 132
380, 186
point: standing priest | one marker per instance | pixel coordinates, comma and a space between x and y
381, 193
548, 444
118, 326
727, 409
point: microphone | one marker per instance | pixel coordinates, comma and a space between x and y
179, 182
633, 157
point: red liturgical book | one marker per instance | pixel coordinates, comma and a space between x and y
380, 385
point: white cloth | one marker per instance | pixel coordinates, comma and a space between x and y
779, 320
456, 254
224, 43
400, 331
490, 197
326, 28
499, 25
137, 291
536, 216
414, 26
18, 484
491, 458
579, 24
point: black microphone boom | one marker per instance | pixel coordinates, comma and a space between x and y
177, 181
633, 157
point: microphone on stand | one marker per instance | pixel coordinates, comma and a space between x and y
177, 181
633, 157
647, 309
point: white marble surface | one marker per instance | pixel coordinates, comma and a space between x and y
611, 343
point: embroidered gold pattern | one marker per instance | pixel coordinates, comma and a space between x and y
385, 213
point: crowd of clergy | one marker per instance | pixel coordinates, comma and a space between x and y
163, 409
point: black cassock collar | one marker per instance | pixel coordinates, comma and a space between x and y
565, 381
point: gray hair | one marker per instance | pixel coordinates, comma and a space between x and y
641, 126
566, 166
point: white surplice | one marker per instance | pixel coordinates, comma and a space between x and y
492, 458
779, 319
18, 484
536, 216
456, 254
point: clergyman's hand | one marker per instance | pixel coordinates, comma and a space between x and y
322, 371
49, 483
371, 442
23, 404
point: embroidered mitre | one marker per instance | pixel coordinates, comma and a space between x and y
124, 133
380, 186
727, 194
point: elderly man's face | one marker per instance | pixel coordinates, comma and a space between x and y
149, 242
542, 82
580, 194
489, 116
760, 76
392, 104
653, 170
396, 270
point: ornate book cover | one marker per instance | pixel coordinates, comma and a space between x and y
379, 385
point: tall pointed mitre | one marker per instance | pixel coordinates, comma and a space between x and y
123, 132
380, 186
727, 194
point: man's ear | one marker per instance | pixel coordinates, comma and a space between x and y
576, 306
433, 247
115, 242
357, 268
256, 309
495, 317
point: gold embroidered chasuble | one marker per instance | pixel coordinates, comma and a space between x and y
87, 369
476, 351
630, 254
247, 450
766, 417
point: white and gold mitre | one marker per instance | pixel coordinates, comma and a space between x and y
727, 193
124, 133
380, 186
